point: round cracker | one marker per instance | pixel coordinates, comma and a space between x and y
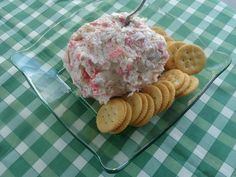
150, 112
194, 82
111, 115
126, 122
190, 59
135, 102
172, 91
172, 49
144, 109
175, 76
156, 95
184, 86
169, 43
168, 38
159, 30
165, 95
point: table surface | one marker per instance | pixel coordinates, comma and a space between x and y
33, 142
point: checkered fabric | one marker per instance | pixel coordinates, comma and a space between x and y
33, 142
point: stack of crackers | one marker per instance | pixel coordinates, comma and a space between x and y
177, 80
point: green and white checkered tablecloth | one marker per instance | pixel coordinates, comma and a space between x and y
33, 142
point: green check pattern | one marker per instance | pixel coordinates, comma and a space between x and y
33, 142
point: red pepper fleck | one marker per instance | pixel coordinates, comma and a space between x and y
78, 56
116, 53
119, 71
105, 24
96, 71
94, 23
122, 20
129, 67
85, 75
72, 44
128, 41
94, 86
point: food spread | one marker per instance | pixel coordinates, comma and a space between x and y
105, 58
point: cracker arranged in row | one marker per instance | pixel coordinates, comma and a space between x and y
159, 30
175, 76
144, 108
184, 86
163, 94
148, 109
194, 82
126, 122
135, 102
188, 58
156, 95
111, 115
162, 32
150, 112
173, 47
171, 89
183, 83
138, 109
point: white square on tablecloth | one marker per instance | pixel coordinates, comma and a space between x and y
218, 81
227, 112
79, 162
2, 168
160, 155
39, 165
219, 8
5, 131
48, 22
204, 98
198, 30
228, 28
226, 169
12, 70
200, 151
17, 46
176, 134
208, 19
137, 137
9, 99
191, 115
143, 174
213, 131
99, 140
25, 113
8, 16
21, 148
190, 10
217, 40
42, 128
33, 34
185, 172
2, 60
35, 14
4, 36
59, 144
23, 6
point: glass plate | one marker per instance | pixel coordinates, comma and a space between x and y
42, 66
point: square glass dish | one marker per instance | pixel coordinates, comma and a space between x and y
42, 66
